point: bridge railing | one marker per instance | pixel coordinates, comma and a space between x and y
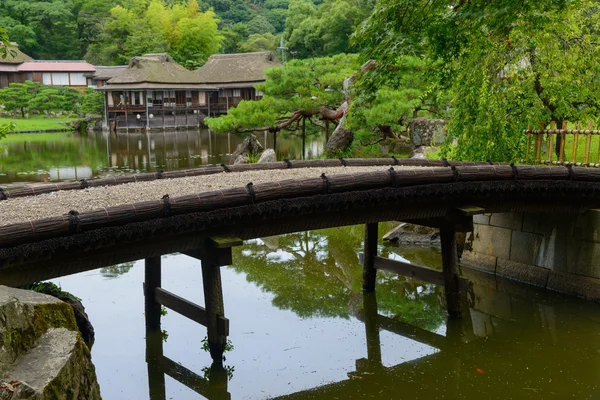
577, 146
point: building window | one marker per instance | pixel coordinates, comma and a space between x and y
237, 93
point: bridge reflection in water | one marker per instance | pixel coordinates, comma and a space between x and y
513, 342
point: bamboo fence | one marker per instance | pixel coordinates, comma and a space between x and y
74, 222
536, 137
209, 170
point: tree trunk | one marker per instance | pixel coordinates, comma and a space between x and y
340, 139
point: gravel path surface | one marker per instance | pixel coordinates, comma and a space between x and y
24, 209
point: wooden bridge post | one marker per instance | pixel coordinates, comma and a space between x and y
154, 345
154, 355
370, 252
372, 331
213, 301
450, 270
152, 281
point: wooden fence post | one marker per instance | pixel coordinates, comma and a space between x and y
588, 144
563, 139
450, 270
551, 141
370, 252
575, 143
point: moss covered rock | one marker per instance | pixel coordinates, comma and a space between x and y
42, 355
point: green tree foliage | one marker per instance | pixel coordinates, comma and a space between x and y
301, 89
43, 29
55, 98
382, 107
16, 96
260, 25
315, 32
317, 274
33, 96
506, 64
92, 102
180, 29
259, 42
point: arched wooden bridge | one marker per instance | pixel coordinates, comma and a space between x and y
206, 225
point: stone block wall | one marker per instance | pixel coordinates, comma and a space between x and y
557, 251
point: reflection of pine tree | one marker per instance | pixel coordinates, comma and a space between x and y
114, 271
317, 274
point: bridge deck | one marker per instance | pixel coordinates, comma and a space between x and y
68, 244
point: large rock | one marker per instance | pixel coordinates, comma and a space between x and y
250, 146
413, 234
427, 132
83, 322
42, 355
421, 152
396, 146
267, 156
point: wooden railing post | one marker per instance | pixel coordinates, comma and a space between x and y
450, 270
370, 252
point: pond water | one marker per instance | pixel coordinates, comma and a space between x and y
301, 328
66, 156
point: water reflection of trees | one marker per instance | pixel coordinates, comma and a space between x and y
115, 271
317, 274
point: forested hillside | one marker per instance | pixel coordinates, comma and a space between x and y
109, 32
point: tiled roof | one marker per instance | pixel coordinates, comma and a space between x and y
56, 66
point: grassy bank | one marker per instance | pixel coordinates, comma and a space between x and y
37, 123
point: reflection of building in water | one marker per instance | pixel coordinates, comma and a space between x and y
70, 173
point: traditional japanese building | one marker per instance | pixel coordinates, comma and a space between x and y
234, 77
102, 74
155, 92
9, 72
56, 72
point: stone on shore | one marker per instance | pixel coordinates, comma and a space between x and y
267, 156
413, 234
42, 355
249, 146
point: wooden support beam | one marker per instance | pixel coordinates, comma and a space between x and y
469, 211
152, 280
190, 310
462, 223
224, 242
184, 376
218, 257
217, 250
370, 249
409, 331
414, 271
450, 271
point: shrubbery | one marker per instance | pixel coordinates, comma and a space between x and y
33, 97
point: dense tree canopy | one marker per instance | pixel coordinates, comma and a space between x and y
309, 89
184, 31
506, 64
